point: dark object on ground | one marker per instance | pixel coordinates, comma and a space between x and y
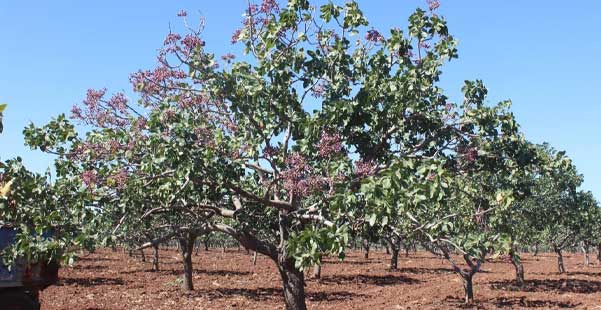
21, 283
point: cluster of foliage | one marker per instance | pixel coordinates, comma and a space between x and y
50, 218
325, 130
2, 107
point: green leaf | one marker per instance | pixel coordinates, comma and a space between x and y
372, 219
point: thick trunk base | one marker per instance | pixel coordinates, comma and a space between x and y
186, 246
394, 259
317, 272
468, 288
366, 249
519, 268
294, 285
155, 258
560, 266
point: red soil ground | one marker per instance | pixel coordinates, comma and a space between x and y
112, 280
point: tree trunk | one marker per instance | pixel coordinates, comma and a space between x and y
387, 250
394, 258
366, 248
254, 258
317, 271
394, 243
599, 253
535, 250
560, 266
294, 285
586, 250
143, 256
519, 267
468, 287
186, 245
155, 258
206, 243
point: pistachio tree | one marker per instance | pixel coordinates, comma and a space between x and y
458, 198
141, 189
50, 218
555, 206
589, 231
277, 147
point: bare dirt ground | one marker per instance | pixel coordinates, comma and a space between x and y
112, 280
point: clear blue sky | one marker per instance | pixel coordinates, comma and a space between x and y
543, 55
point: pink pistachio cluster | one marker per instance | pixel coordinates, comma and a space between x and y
330, 143
318, 91
228, 57
118, 102
299, 179
191, 41
374, 36
256, 17
120, 177
424, 45
431, 176
270, 151
365, 168
468, 154
89, 177
96, 150
103, 113
433, 4
268, 6
154, 82
204, 136
236, 36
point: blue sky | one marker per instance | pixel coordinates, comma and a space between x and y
543, 55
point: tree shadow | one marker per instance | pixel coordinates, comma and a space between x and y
260, 294
352, 262
97, 259
368, 279
459, 303
89, 282
263, 294
89, 267
548, 285
176, 272
584, 273
332, 296
419, 270
505, 302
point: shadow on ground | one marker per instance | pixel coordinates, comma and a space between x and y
524, 302
508, 303
263, 294
175, 272
94, 281
551, 285
368, 279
